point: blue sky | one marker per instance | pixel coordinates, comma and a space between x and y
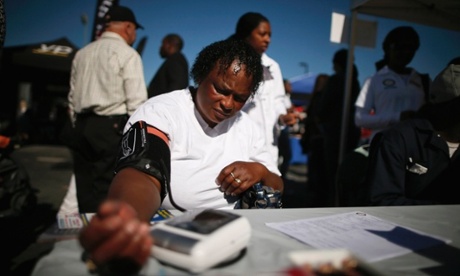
300, 30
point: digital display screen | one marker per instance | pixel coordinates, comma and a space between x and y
204, 222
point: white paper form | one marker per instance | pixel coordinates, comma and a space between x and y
369, 238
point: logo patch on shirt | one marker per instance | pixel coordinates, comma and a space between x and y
128, 143
389, 83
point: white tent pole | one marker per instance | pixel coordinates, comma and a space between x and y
347, 95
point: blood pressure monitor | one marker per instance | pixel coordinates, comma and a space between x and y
200, 239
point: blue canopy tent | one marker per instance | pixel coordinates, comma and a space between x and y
302, 87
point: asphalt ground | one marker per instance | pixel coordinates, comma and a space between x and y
49, 168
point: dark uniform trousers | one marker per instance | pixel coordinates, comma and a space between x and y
95, 143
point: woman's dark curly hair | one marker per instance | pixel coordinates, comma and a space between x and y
224, 52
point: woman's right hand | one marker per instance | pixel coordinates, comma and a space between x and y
116, 233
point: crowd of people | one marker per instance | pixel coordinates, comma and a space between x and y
170, 144
227, 128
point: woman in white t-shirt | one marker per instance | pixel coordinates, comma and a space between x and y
396, 91
193, 146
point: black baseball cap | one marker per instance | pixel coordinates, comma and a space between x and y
120, 13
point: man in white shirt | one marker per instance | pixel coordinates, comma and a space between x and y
106, 86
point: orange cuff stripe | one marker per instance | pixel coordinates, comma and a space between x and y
158, 133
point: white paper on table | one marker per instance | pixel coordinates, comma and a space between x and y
370, 238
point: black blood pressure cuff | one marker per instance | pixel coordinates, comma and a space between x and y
260, 197
146, 148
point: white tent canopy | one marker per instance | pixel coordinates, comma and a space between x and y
437, 13
443, 14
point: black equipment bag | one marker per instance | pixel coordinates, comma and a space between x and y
16, 194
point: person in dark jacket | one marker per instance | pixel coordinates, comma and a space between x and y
330, 116
416, 162
173, 73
